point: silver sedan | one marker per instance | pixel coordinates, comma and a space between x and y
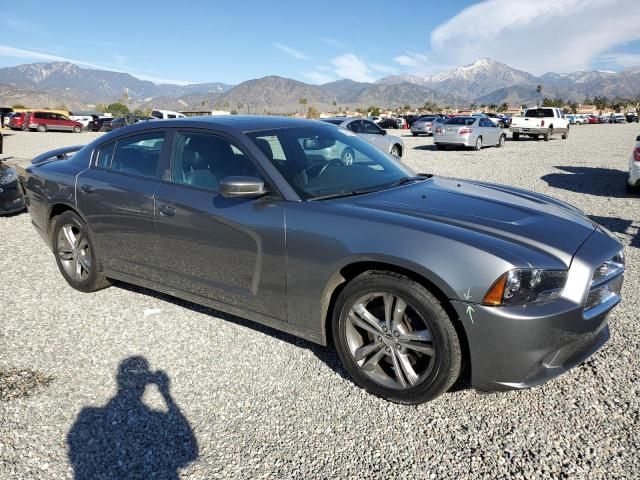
372, 133
423, 125
475, 132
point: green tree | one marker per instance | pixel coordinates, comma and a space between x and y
334, 106
473, 106
118, 109
303, 102
374, 111
313, 112
503, 107
138, 112
18, 105
493, 107
239, 106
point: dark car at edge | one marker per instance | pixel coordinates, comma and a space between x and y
413, 278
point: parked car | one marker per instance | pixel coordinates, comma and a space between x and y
410, 118
126, 120
11, 198
84, 119
571, 119
16, 121
45, 121
469, 131
618, 118
5, 112
99, 124
372, 133
423, 126
633, 182
388, 122
540, 122
592, 119
409, 276
631, 117
166, 114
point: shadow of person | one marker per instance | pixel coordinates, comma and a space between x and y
127, 439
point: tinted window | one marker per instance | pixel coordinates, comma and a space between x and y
105, 155
138, 155
539, 112
370, 127
170, 115
203, 160
355, 127
324, 160
156, 114
461, 121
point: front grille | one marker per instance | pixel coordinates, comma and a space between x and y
606, 284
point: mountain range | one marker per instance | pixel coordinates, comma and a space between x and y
485, 81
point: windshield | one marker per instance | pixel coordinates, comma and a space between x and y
322, 161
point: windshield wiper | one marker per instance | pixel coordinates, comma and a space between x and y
347, 193
405, 180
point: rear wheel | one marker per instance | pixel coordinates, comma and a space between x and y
501, 141
75, 255
565, 135
478, 144
547, 135
42, 128
516, 135
395, 339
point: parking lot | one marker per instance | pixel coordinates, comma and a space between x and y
253, 402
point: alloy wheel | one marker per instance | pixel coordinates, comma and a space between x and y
74, 252
390, 341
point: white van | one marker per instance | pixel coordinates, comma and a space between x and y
165, 114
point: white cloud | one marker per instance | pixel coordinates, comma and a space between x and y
386, 69
617, 60
332, 42
350, 66
537, 35
411, 59
7, 51
292, 52
318, 77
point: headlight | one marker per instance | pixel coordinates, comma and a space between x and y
9, 176
522, 285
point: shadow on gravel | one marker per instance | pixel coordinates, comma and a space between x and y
622, 226
604, 182
327, 355
431, 148
127, 439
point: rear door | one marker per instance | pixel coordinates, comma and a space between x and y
116, 197
230, 250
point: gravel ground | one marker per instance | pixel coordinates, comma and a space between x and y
247, 401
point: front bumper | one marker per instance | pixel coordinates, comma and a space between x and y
11, 199
634, 173
522, 346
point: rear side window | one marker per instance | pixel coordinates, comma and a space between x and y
138, 155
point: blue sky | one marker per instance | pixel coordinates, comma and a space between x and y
320, 41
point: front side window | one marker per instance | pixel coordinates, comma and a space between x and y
138, 155
324, 160
203, 160
355, 127
372, 128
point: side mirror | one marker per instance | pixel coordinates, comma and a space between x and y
242, 187
383, 132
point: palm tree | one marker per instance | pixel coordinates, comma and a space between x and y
334, 106
302, 101
539, 90
473, 106
493, 107
503, 107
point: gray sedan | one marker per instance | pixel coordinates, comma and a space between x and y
372, 133
412, 278
424, 125
475, 132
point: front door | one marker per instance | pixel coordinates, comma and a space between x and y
116, 197
230, 250
374, 134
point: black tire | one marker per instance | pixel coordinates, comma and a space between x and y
77, 129
42, 128
565, 135
516, 136
396, 151
478, 145
547, 135
445, 364
94, 279
501, 141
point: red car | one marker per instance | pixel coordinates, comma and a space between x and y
44, 121
16, 121
592, 119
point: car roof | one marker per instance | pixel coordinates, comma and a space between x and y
229, 123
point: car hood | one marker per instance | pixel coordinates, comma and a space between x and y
520, 216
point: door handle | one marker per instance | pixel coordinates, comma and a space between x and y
86, 188
167, 211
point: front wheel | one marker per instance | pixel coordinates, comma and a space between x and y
395, 151
347, 156
501, 141
75, 255
77, 129
395, 339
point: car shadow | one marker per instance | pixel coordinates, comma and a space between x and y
327, 355
127, 439
604, 182
431, 147
622, 226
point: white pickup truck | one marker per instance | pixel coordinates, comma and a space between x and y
542, 121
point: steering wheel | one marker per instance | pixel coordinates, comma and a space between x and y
325, 166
